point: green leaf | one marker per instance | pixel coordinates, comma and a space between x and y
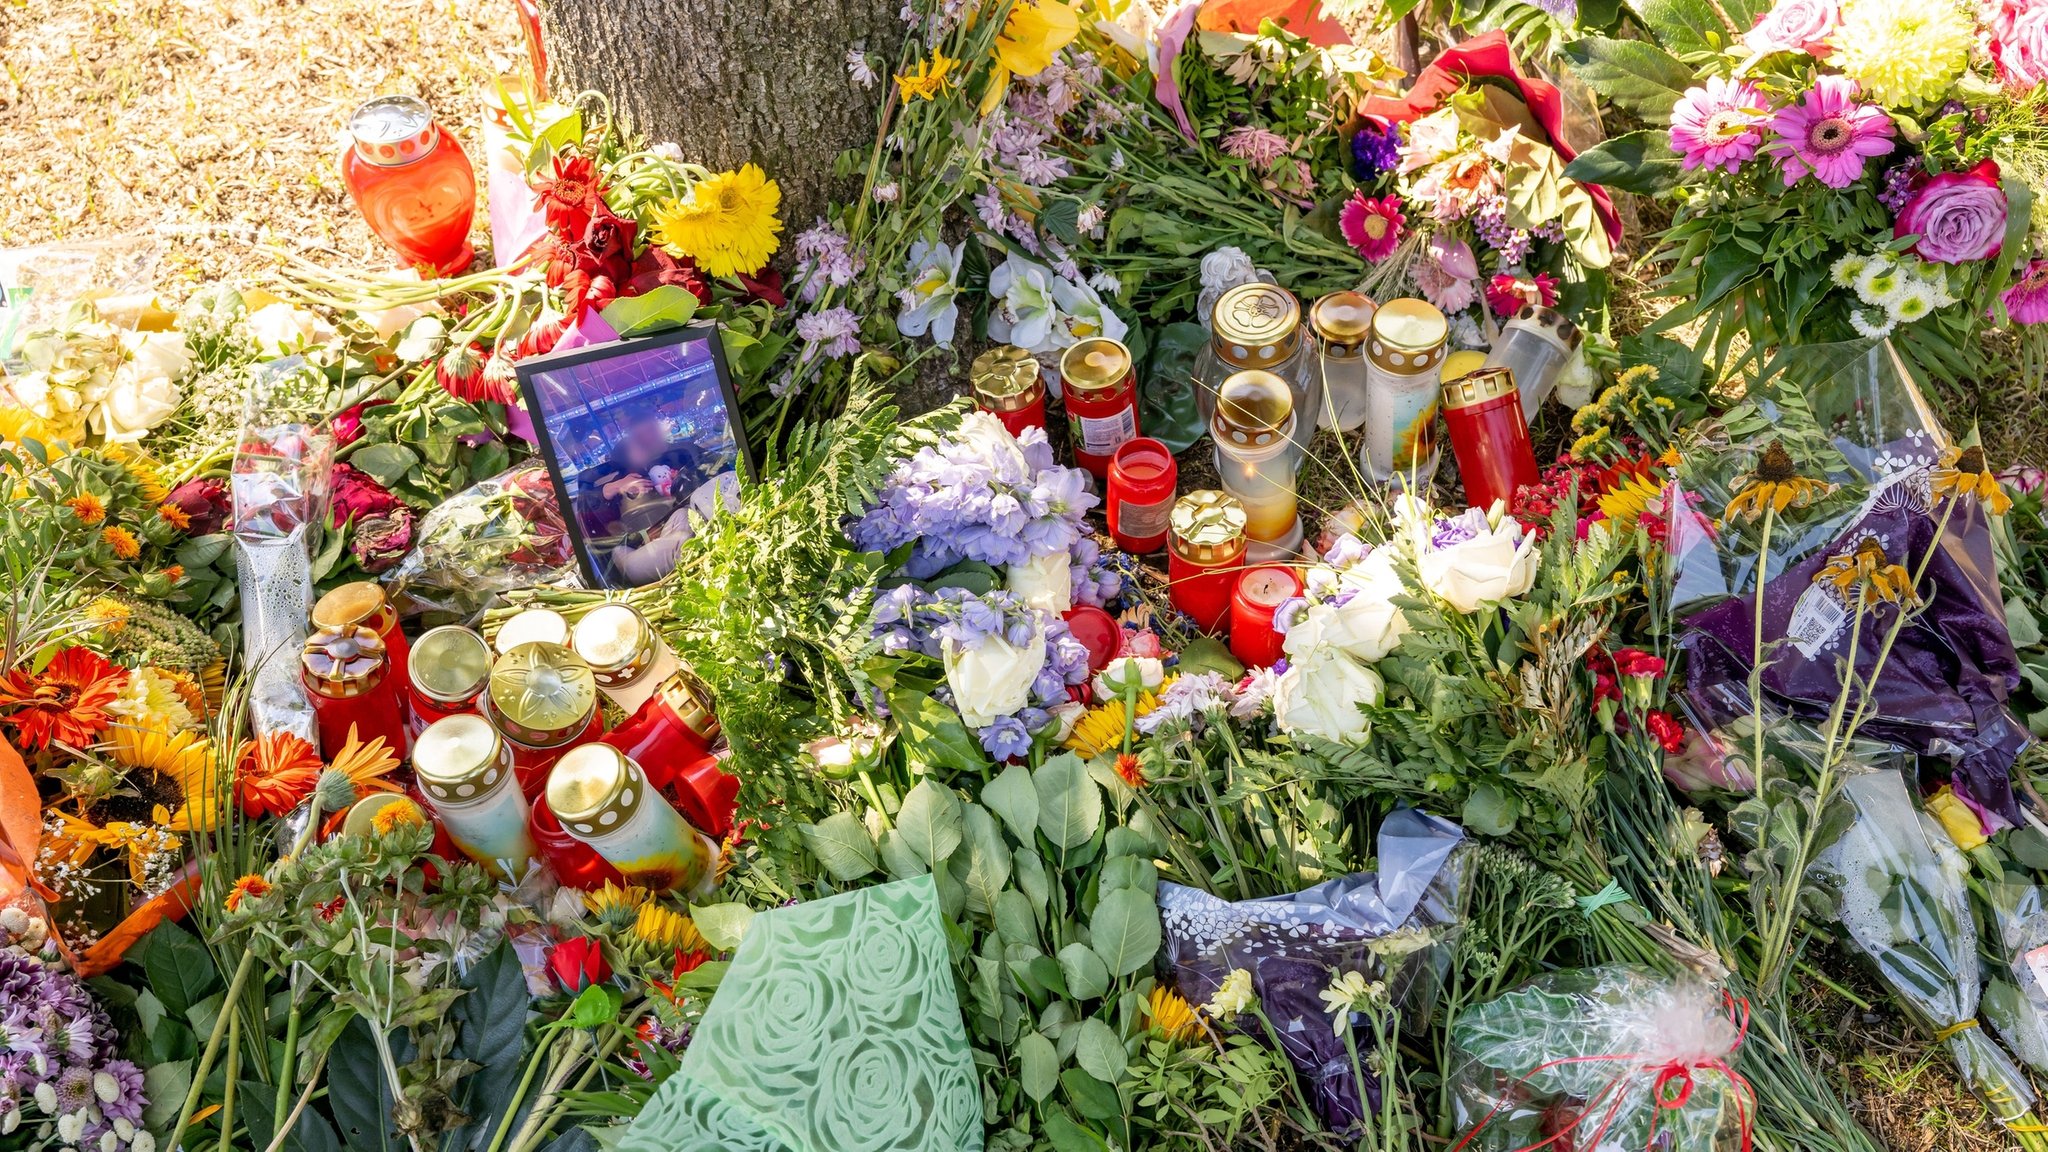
595, 1005
1641, 78
666, 306
359, 1095
165, 1085
201, 551
901, 862
256, 1104
932, 735
1067, 1136
929, 822
387, 463
985, 867
1038, 1066
842, 844
1069, 803
1490, 811
1060, 220
1683, 26
1086, 976
1726, 267
1015, 921
1012, 796
1091, 1096
490, 1031
1099, 1052
1640, 162
179, 968
722, 924
1125, 930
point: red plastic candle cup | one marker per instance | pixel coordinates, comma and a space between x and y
348, 678
1009, 385
1205, 556
411, 181
671, 735
1260, 591
1142, 476
1490, 435
1098, 632
573, 862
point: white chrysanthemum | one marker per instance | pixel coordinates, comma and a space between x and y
1878, 280
1913, 300
1869, 328
1845, 270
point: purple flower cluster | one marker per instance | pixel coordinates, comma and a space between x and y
1898, 185
824, 255
1491, 222
1096, 581
909, 619
978, 495
57, 1051
1374, 150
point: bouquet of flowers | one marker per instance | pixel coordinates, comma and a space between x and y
498, 535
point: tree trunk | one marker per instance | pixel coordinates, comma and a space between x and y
733, 81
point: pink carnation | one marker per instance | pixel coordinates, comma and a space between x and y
2027, 300
1719, 125
2019, 42
1373, 227
1827, 133
1795, 25
1959, 216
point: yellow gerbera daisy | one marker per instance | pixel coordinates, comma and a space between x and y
1172, 1017
1775, 484
367, 764
727, 223
667, 929
1102, 727
1963, 474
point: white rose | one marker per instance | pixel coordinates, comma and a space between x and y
1367, 626
423, 337
1321, 695
1045, 582
1121, 672
145, 391
993, 679
1065, 718
1497, 564
281, 330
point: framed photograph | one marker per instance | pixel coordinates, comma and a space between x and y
640, 436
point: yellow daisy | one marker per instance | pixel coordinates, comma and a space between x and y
727, 223
929, 81
1776, 484
1172, 1017
1102, 727
1865, 572
1963, 474
667, 929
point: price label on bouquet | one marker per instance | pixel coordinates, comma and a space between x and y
1816, 618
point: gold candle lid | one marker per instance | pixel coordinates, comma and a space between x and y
1006, 378
533, 626
1255, 325
1342, 319
1096, 364
459, 759
343, 662
359, 603
1463, 362
1479, 387
1408, 336
617, 642
542, 694
595, 789
1207, 528
1254, 409
449, 664
691, 700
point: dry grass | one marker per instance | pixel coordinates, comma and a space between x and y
213, 124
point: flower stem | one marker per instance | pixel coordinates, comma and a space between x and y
1756, 660
285, 1065
291, 1121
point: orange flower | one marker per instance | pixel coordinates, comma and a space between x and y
367, 764
175, 573
175, 516
88, 508
1132, 773
122, 541
250, 887
66, 702
275, 773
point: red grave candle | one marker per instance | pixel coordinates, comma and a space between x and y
543, 700
347, 676
670, 737
412, 182
1205, 556
1490, 435
1102, 401
1009, 385
1142, 476
1253, 639
449, 667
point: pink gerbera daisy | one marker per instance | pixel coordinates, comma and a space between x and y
1506, 294
1372, 226
1720, 125
2027, 300
1829, 134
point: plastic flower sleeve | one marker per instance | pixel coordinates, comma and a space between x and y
1394, 926
279, 484
2017, 1004
494, 536
1845, 458
1609, 1059
1899, 888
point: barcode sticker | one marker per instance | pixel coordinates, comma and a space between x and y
1102, 435
1815, 620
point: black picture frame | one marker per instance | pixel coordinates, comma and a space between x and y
577, 426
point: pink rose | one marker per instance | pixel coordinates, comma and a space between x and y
1795, 25
2019, 43
1959, 216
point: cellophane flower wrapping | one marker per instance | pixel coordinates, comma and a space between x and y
283, 463
2016, 1001
1852, 424
1593, 1059
1395, 926
1899, 886
494, 536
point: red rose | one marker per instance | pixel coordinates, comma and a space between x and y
578, 963
347, 424
1669, 732
607, 245
656, 267
1636, 662
357, 496
206, 504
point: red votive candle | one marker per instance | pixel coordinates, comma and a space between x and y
1102, 401
671, 736
1009, 386
1142, 476
348, 678
1490, 435
1205, 555
1253, 639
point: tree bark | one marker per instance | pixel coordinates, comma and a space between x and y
733, 81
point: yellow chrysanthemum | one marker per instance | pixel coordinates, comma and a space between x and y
151, 695
667, 929
1905, 53
1172, 1017
148, 478
727, 223
396, 815
929, 80
1102, 727
108, 614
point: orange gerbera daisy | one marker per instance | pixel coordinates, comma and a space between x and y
1130, 771
250, 887
367, 764
122, 541
89, 509
66, 702
275, 773
175, 516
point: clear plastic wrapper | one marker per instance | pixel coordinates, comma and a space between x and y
39, 284
283, 464
1395, 926
492, 537
2016, 1002
1849, 471
1610, 1059
1899, 886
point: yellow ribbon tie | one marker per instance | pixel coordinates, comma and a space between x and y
1953, 1029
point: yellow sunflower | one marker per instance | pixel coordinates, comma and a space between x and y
614, 906
1775, 484
1101, 728
1963, 474
1866, 573
727, 223
1172, 1017
184, 758
667, 929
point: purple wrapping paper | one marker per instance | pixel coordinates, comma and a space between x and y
1294, 945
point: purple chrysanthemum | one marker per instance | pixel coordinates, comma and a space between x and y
118, 1087
1375, 149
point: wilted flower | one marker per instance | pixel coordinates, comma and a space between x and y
1774, 483
380, 542
1232, 997
1963, 474
1867, 575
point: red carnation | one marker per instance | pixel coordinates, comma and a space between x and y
578, 963
1636, 662
567, 195
1669, 732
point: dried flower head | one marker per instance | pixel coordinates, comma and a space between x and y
1867, 575
1775, 483
1964, 474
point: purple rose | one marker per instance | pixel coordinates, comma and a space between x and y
381, 541
1959, 216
